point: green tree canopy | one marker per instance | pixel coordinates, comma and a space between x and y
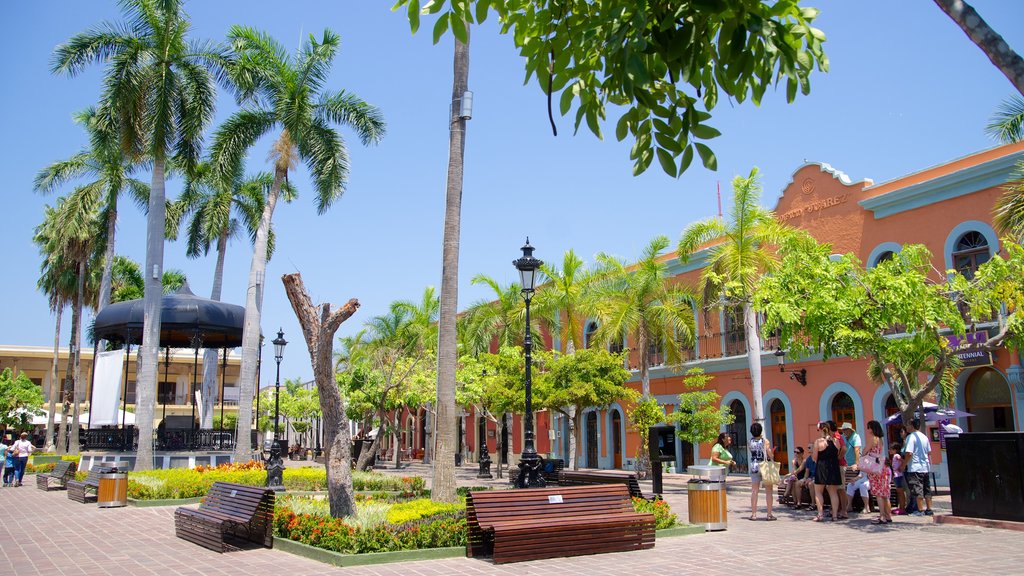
666, 64
700, 414
20, 400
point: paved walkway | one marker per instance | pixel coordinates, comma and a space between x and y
44, 533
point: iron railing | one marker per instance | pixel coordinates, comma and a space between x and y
127, 439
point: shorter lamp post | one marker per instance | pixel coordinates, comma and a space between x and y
274, 464
529, 462
798, 375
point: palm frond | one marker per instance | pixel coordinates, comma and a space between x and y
350, 110
327, 160
1007, 124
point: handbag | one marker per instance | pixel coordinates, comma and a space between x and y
769, 470
870, 463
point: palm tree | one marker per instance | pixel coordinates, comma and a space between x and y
109, 173
443, 482
500, 319
743, 252
285, 93
57, 281
161, 96
562, 293
637, 301
217, 211
1007, 126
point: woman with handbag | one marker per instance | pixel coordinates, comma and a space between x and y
762, 469
826, 476
873, 463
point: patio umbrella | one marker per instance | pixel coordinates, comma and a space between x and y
931, 414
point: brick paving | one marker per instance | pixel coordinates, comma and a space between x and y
44, 533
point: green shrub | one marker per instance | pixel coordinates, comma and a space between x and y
417, 509
663, 516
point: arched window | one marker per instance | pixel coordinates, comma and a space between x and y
780, 440
843, 409
972, 250
989, 399
588, 333
884, 256
735, 336
738, 431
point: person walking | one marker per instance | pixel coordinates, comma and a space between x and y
720, 455
760, 450
881, 481
916, 458
22, 449
827, 476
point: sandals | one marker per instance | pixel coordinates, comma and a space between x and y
878, 521
818, 518
771, 518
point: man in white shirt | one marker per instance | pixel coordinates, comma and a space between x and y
916, 450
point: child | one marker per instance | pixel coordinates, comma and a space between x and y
8, 467
897, 478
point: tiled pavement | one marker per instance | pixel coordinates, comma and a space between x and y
47, 534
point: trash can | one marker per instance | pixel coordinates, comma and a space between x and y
113, 490
706, 498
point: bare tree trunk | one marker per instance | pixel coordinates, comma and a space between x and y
149, 353
573, 422
319, 325
366, 454
443, 483
251, 327
106, 280
984, 37
63, 432
76, 359
210, 355
754, 359
54, 387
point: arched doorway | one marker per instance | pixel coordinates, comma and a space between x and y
780, 439
738, 431
592, 439
616, 440
843, 409
989, 399
892, 430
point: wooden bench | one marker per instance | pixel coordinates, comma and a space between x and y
63, 472
535, 523
587, 478
85, 491
229, 512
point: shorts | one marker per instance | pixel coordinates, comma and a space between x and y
755, 471
898, 482
917, 484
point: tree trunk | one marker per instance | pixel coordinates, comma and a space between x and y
573, 424
992, 44
149, 353
754, 359
443, 483
318, 327
63, 432
645, 360
54, 387
365, 455
499, 444
106, 280
251, 327
210, 379
75, 360
396, 455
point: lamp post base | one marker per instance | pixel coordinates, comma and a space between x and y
529, 472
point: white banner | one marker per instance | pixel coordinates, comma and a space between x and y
106, 388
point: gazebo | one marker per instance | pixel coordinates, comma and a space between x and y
186, 321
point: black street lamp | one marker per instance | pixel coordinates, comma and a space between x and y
273, 462
798, 375
529, 462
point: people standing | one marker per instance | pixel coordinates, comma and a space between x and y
896, 463
916, 458
827, 476
3, 458
720, 455
881, 482
8, 457
22, 449
760, 450
849, 452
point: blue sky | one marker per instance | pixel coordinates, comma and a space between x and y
907, 90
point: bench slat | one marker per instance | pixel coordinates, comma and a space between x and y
229, 511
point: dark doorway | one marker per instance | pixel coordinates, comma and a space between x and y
616, 440
592, 440
780, 439
989, 399
738, 431
892, 430
843, 409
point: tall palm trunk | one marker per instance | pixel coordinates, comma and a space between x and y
572, 420
443, 484
149, 352
54, 387
106, 280
251, 327
753, 359
645, 360
75, 360
984, 37
210, 355
62, 431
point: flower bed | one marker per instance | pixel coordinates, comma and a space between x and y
663, 515
179, 483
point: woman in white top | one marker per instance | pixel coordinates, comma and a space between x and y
22, 449
760, 450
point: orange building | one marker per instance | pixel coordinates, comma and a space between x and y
946, 207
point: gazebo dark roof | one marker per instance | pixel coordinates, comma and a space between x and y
183, 315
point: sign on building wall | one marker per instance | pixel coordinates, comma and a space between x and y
965, 348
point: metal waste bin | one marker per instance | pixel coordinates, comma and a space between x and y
706, 498
113, 490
